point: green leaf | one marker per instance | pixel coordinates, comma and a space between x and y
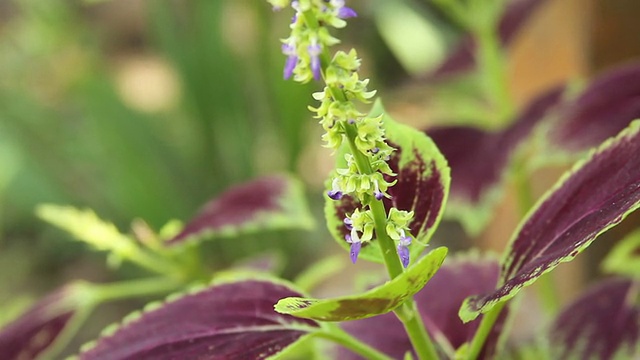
376, 301
86, 226
624, 258
423, 179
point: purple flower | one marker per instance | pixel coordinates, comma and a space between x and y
377, 193
403, 253
348, 223
314, 51
403, 249
335, 194
292, 59
346, 12
356, 244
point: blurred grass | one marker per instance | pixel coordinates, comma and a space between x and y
71, 132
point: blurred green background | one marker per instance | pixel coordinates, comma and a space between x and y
148, 108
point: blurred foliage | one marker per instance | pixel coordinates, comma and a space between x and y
147, 121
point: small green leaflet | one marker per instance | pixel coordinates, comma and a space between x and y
376, 301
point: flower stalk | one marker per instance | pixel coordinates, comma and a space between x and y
367, 175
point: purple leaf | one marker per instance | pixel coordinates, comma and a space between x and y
597, 194
274, 202
39, 329
479, 159
226, 321
607, 106
458, 278
422, 187
604, 323
463, 57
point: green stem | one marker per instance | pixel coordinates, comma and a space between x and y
546, 288
151, 262
408, 312
336, 334
133, 288
418, 335
493, 70
483, 331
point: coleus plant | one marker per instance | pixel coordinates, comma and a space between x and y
383, 203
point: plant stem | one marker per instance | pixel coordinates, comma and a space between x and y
546, 289
336, 334
492, 69
133, 288
483, 330
418, 335
407, 312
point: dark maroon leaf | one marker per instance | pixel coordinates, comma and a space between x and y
479, 158
463, 57
36, 331
438, 303
606, 107
225, 321
603, 324
596, 195
267, 203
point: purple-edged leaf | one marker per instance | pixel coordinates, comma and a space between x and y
422, 187
458, 278
601, 111
378, 300
594, 196
602, 324
268, 203
226, 321
43, 327
462, 59
479, 159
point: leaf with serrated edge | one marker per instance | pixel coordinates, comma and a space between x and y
597, 194
228, 320
460, 276
376, 301
604, 108
422, 186
268, 203
47, 326
602, 324
480, 159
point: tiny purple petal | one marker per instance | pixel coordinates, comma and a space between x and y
403, 252
348, 223
355, 250
351, 121
375, 150
346, 12
405, 240
314, 52
379, 195
335, 194
289, 66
